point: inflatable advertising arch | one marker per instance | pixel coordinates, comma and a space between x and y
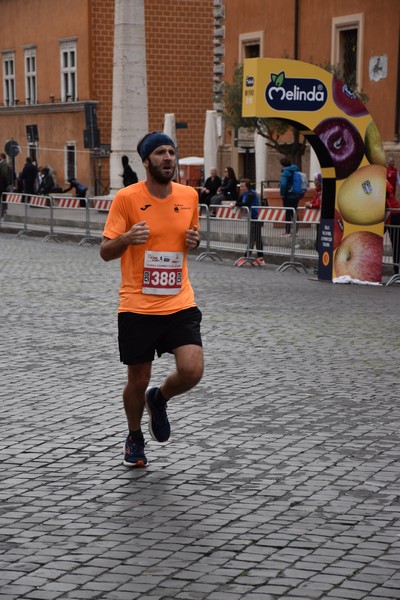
347, 143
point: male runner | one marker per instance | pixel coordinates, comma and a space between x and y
151, 226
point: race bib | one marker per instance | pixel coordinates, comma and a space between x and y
162, 272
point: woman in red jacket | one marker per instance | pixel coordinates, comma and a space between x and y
316, 200
393, 223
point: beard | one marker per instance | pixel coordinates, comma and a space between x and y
157, 173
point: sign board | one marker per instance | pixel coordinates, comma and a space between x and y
12, 148
347, 142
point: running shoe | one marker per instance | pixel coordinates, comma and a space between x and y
134, 453
240, 261
260, 262
159, 426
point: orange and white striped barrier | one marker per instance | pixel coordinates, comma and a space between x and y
311, 215
101, 204
39, 201
226, 212
276, 215
68, 202
13, 198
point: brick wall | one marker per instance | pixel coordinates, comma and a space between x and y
179, 42
102, 21
102, 48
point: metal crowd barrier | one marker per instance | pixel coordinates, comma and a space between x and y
229, 230
32, 213
71, 214
98, 207
59, 214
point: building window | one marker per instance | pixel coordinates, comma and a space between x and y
68, 72
347, 44
9, 78
30, 76
251, 45
70, 160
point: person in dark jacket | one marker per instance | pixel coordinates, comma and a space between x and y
128, 175
47, 183
28, 176
211, 186
228, 189
80, 190
289, 200
5, 180
249, 197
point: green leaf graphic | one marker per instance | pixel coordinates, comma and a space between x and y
280, 78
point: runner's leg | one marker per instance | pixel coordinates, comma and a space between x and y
133, 394
189, 370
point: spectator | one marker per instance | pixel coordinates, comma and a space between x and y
392, 174
28, 176
228, 189
393, 222
47, 182
248, 197
289, 199
39, 178
80, 190
128, 175
211, 186
316, 200
5, 178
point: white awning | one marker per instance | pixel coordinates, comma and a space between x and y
193, 161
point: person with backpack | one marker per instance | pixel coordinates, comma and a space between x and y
80, 190
292, 188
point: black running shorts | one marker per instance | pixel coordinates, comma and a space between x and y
141, 336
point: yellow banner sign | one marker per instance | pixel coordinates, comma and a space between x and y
346, 140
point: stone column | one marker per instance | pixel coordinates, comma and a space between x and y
261, 159
130, 106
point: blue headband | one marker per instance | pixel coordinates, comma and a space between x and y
153, 141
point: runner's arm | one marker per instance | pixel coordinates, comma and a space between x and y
112, 249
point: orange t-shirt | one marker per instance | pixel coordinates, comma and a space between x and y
154, 275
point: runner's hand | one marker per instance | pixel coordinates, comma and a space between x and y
138, 234
192, 238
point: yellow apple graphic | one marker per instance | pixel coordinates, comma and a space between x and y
361, 199
373, 146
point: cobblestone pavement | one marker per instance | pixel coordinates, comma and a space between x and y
282, 478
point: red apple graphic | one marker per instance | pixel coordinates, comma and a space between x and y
360, 256
344, 144
338, 229
347, 100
